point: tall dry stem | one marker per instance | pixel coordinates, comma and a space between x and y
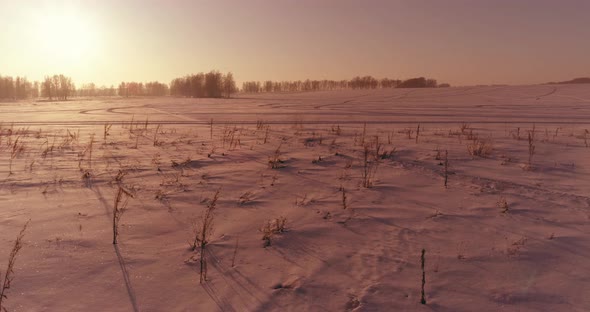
119, 207
446, 167
105, 133
202, 234
531, 139
369, 167
8, 275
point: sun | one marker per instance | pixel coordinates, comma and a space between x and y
66, 37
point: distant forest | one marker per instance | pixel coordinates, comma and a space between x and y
575, 80
366, 82
210, 85
202, 85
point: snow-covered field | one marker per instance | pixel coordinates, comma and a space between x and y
506, 234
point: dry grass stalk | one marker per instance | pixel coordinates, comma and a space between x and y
211, 128
31, 165
336, 130
266, 133
423, 260
131, 123
267, 233
378, 146
119, 177
274, 161
464, 127
155, 140
136, 142
233, 258
87, 151
81, 158
47, 149
390, 137
105, 133
90, 144
16, 149
472, 136
67, 141
364, 134
446, 167
8, 274
229, 135
531, 140
119, 207
369, 167
202, 233
517, 135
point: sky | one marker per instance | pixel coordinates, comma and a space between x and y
462, 42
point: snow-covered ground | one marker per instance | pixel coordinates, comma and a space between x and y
504, 235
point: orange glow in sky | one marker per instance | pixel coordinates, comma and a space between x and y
462, 42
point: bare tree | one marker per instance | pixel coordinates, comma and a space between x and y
229, 85
47, 88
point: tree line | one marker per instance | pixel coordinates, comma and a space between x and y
125, 89
153, 88
59, 87
18, 88
91, 90
575, 80
204, 85
365, 82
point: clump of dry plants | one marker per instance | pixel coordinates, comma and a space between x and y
480, 147
271, 228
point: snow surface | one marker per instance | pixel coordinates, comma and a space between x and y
534, 257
